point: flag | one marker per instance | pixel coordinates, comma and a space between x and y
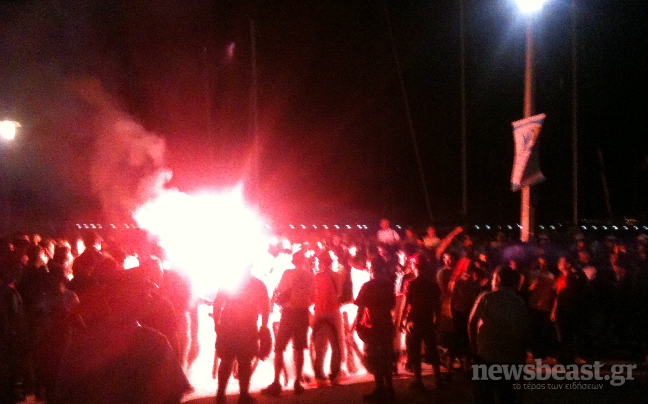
526, 164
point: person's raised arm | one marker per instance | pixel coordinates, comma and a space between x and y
443, 245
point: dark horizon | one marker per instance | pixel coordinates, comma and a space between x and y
333, 129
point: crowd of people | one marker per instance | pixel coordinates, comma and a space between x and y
77, 327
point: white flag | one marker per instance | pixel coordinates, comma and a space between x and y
526, 164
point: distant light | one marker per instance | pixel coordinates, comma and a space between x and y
519, 226
541, 227
615, 228
314, 226
594, 228
325, 226
476, 227
552, 227
487, 227
398, 226
292, 226
336, 226
303, 226
78, 226
230, 50
636, 227
530, 6
113, 226
365, 226
99, 226
126, 226
510, 227
348, 226
625, 227
645, 227
359, 226
584, 227
604, 227
8, 129
92, 226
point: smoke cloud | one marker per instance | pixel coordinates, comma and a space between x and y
127, 167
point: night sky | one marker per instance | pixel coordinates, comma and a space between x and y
112, 93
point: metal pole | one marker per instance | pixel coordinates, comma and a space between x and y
574, 113
254, 111
526, 210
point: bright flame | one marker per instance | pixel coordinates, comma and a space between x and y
213, 237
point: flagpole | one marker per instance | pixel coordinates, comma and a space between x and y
526, 210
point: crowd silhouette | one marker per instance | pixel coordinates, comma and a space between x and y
77, 327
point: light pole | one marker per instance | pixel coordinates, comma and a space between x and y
529, 8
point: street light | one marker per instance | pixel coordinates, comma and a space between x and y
529, 8
8, 129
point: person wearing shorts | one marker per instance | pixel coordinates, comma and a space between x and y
295, 294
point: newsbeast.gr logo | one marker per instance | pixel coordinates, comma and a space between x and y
537, 371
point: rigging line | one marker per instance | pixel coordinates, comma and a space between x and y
464, 157
408, 112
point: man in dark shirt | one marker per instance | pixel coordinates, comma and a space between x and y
499, 331
115, 360
375, 303
236, 315
423, 307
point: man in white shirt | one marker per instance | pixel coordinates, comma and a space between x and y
387, 235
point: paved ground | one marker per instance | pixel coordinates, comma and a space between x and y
459, 391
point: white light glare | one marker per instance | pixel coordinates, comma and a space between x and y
8, 129
530, 6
